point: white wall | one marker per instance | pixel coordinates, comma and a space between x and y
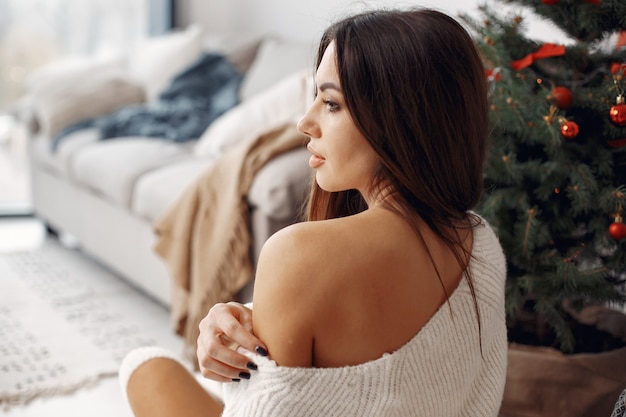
306, 19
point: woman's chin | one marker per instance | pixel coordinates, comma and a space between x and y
328, 186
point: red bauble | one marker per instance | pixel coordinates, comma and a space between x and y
596, 2
617, 230
561, 97
618, 112
494, 74
550, 2
569, 129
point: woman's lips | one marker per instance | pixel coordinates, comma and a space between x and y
315, 160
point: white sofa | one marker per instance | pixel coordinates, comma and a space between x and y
107, 194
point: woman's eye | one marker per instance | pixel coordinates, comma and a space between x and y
331, 105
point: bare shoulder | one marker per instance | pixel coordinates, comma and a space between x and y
344, 291
312, 254
303, 241
287, 292
299, 257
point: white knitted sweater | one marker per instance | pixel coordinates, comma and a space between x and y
440, 372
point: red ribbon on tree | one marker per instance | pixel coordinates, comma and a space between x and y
547, 50
617, 67
620, 42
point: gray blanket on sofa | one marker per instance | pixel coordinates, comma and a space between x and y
194, 99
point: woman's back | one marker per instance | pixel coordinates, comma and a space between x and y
361, 286
442, 369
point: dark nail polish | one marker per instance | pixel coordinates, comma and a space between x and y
252, 366
261, 351
236, 379
244, 375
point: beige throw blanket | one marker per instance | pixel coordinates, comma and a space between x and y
204, 238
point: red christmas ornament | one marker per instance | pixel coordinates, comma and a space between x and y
617, 113
550, 2
493, 74
561, 97
617, 229
569, 129
596, 2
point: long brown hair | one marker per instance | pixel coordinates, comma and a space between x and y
415, 86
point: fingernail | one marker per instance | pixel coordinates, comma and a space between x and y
252, 366
236, 379
244, 375
261, 351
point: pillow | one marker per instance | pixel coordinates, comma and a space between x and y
240, 49
285, 102
159, 59
69, 102
274, 60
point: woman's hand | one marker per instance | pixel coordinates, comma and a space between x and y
226, 327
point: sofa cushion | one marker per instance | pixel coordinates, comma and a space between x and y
59, 160
239, 49
156, 190
278, 189
159, 59
111, 167
285, 102
275, 60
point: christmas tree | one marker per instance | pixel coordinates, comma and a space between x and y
555, 181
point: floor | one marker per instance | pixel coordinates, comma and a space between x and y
20, 231
103, 399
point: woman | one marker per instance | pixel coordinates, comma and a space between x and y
389, 301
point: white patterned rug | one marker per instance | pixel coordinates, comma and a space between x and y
66, 322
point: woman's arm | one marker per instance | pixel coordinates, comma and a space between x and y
285, 296
281, 313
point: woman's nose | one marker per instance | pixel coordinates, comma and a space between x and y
307, 126
302, 126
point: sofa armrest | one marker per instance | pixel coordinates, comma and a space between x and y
280, 188
93, 95
70, 90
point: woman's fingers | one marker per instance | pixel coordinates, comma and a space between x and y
235, 321
226, 327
